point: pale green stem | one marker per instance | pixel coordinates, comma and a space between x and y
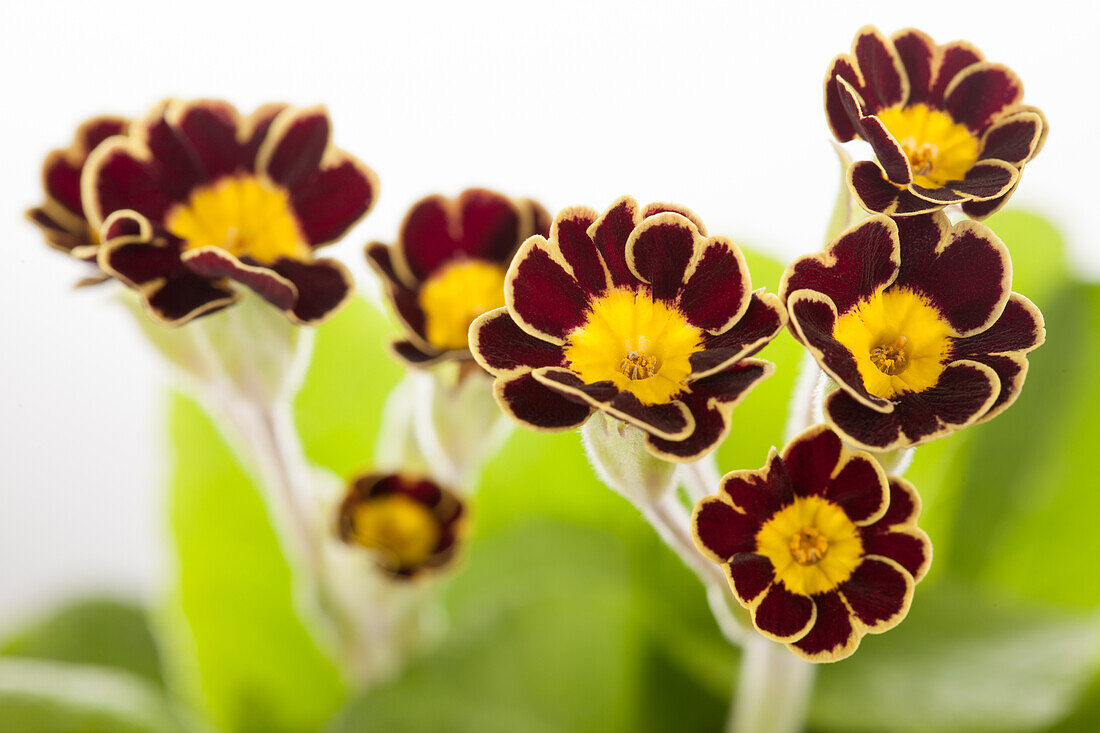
773, 689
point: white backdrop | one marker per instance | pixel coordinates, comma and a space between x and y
714, 105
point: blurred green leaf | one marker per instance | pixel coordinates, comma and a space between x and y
961, 661
339, 408
98, 631
254, 662
39, 696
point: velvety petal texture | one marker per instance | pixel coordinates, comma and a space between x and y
915, 321
945, 125
226, 198
447, 267
835, 513
649, 276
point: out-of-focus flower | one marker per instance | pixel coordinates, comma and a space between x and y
412, 524
196, 196
448, 267
946, 125
916, 322
61, 215
637, 313
820, 545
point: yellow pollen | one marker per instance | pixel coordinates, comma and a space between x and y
812, 545
938, 148
898, 340
642, 345
639, 366
403, 529
891, 358
244, 215
453, 297
808, 546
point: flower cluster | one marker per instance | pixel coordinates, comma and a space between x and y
637, 313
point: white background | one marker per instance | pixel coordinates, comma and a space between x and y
713, 105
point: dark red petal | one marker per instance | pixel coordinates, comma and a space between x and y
329, 201
323, 287
184, 296
954, 57
905, 504
610, 235
416, 356
979, 210
811, 458
659, 252
1020, 328
542, 294
116, 179
814, 318
891, 156
210, 128
1013, 139
179, 167
427, 242
832, 636
761, 322
570, 232
965, 272
490, 225
868, 428
907, 547
1011, 371
711, 402
878, 593
985, 179
981, 92
214, 263
538, 407
860, 489
916, 51
61, 180
760, 493
722, 532
295, 145
660, 207
874, 192
256, 125
717, 292
139, 263
782, 615
883, 74
840, 122
380, 258
502, 347
749, 575
853, 267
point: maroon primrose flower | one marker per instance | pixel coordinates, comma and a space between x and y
820, 545
946, 126
448, 267
637, 313
412, 524
916, 322
61, 215
196, 196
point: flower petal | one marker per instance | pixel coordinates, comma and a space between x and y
295, 145
504, 349
986, 179
490, 225
214, 263
917, 52
784, 616
323, 285
210, 129
1013, 138
415, 356
908, 546
878, 592
954, 57
860, 488
718, 291
749, 575
543, 298
118, 176
570, 232
659, 252
873, 190
978, 94
840, 122
330, 201
833, 636
527, 401
610, 234
882, 70
720, 531
891, 157
762, 321
759, 493
811, 458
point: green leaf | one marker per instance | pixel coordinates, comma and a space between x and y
98, 631
961, 661
38, 696
239, 636
339, 408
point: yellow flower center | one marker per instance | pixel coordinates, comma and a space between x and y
812, 545
641, 345
453, 297
398, 526
244, 215
939, 149
899, 342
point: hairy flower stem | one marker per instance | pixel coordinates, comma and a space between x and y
773, 689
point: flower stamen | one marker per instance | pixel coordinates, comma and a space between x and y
637, 365
808, 546
891, 358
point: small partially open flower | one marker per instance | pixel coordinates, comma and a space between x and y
819, 545
411, 524
916, 322
637, 313
448, 265
196, 196
61, 215
946, 126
